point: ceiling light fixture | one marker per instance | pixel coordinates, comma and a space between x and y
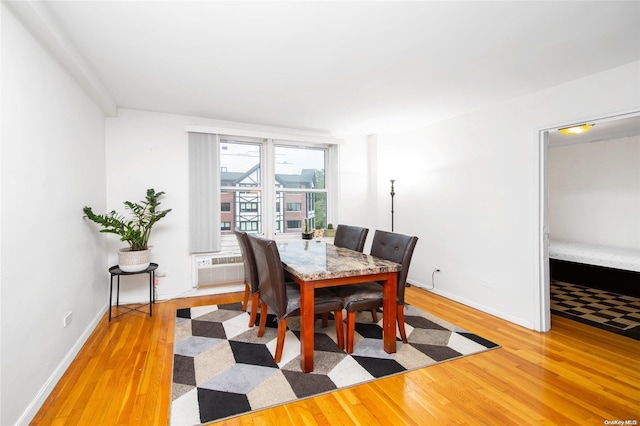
576, 130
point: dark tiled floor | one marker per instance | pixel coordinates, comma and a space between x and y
610, 311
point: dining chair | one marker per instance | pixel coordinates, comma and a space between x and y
351, 237
283, 298
250, 276
390, 246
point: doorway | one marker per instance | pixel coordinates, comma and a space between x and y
613, 128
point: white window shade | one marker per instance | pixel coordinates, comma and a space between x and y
204, 194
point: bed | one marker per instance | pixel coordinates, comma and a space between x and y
613, 269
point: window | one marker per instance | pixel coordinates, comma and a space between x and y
265, 186
241, 182
248, 226
300, 183
294, 224
297, 182
249, 207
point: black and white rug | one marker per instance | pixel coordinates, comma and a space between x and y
222, 369
617, 313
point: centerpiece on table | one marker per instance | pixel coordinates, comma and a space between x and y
306, 233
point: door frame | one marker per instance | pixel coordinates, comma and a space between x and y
542, 322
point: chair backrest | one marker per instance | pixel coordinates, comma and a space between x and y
351, 237
249, 259
271, 280
397, 248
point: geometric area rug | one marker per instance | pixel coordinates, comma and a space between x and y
221, 368
617, 313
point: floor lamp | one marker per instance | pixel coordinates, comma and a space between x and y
393, 193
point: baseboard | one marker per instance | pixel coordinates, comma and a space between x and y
486, 309
33, 408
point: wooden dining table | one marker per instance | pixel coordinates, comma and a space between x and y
316, 264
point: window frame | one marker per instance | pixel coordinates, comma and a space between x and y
268, 189
269, 140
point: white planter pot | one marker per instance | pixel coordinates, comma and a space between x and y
133, 261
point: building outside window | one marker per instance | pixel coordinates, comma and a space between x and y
277, 204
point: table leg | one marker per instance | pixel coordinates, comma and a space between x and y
389, 312
151, 276
306, 326
110, 295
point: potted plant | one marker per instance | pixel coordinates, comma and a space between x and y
318, 232
306, 233
134, 231
330, 232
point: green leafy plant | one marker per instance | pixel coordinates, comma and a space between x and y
136, 230
330, 226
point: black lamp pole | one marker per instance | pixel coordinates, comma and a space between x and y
393, 193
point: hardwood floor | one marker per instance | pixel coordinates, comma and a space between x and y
574, 374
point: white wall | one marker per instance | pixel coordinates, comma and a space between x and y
469, 189
147, 150
357, 189
594, 192
52, 261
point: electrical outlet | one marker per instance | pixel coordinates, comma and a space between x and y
67, 319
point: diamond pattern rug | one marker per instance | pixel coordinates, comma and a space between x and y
221, 368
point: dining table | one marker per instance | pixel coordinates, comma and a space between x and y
317, 264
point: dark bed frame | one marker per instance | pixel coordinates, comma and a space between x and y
600, 277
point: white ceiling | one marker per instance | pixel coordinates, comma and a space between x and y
345, 67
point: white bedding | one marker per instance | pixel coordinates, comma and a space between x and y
592, 254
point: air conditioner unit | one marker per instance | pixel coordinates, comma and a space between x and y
216, 268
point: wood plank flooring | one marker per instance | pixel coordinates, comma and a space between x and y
574, 374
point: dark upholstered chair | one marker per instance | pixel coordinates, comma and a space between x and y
368, 296
250, 276
284, 298
351, 237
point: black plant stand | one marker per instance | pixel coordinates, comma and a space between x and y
115, 271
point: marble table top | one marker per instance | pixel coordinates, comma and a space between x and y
312, 260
